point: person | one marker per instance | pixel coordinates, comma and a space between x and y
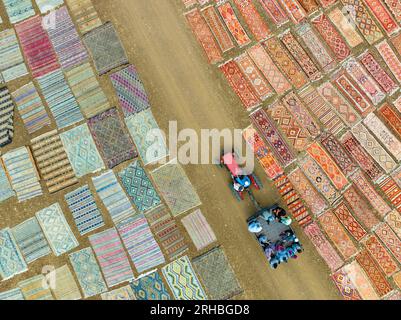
254, 226
268, 216
269, 252
285, 220
240, 183
263, 241
274, 262
279, 213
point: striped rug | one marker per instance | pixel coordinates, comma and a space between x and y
22, 173
47, 5
65, 39
123, 293
81, 150
60, 99
56, 229
18, 10
112, 257
13, 294
150, 287
52, 161
87, 90
113, 196
6, 117
66, 288
6, 191
87, 272
12, 65
37, 47
167, 232
142, 247
84, 14
11, 260
35, 288
84, 210
31, 240
199, 229
30, 108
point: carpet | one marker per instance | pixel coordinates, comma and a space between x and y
112, 138
113, 196
364, 159
66, 288
6, 191
37, 47
240, 85
277, 80
11, 259
397, 279
47, 5
81, 150
393, 219
30, 108
65, 39
6, 117
189, 3
147, 136
22, 173
150, 287
84, 209
323, 246
142, 247
394, 295
391, 118
111, 256
383, 16
322, 110
372, 270
276, 14
349, 222
319, 179
373, 147
165, 228
345, 286
199, 230
56, 229
390, 58
345, 27
105, 48
337, 235
183, 281
395, 8
274, 138
233, 25
139, 187
31, 240
84, 14
259, 85
392, 191
18, 10
60, 99
216, 26
175, 188
87, 90
87, 272
52, 161
35, 288
307, 192
263, 153
13, 294
123, 293
12, 65
217, 275
360, 280
130, 91
294, 10
381, 255
390, 240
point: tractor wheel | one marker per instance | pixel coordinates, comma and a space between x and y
258, 184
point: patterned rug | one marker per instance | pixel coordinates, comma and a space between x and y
165, 228
349, 222
393, 219
52, 161
345, 286
111, 256
36, 46
56, 229
123, 293
139, 187
111, 138
199, 230
390, 58
175, 188
113, 196
87, 90
217, 275
22, 173
6, 117
19, 10
391, 118
105, 47
60, 99
81, 151
6, 191
150, 287
142, 247
84, 14
183, 281
66, 288
35, 288
47, 5
30, 108
394, 295
397, 279
274, 11
390, 239
31, 240
84, 210
346, 27
11, 260
150, 142
392, 191
360, 281
294, 10
87, 272
13, 294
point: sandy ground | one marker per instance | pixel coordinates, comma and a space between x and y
183, 87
